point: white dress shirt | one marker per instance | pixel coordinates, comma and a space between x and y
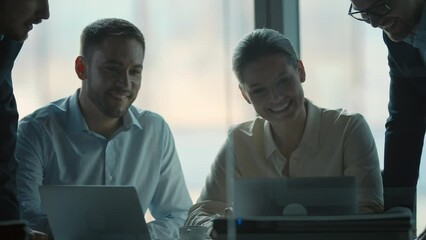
334, 143
55, 147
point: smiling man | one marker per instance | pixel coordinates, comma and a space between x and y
404, 32
291, 137
16, 20
97, 137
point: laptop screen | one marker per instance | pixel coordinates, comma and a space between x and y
94, 212
295, 196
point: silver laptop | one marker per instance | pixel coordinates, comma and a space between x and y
94, 212
312, 196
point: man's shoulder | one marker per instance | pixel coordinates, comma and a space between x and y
9, 50
401, 48
145, 117
10, 47
404, 59
54, 111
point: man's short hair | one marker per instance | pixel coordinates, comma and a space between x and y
101, 29
260, 43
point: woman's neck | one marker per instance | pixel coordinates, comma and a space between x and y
287, 135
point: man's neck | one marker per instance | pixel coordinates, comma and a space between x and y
104, 126
98, 122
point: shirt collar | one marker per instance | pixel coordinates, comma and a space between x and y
418, 38
129, 119
75, 120
310, 136
77, 123
270, 146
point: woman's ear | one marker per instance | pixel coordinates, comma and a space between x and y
244, 93
80, 68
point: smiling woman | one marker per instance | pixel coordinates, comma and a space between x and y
274, 88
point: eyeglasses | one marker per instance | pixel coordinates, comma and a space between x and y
379, 9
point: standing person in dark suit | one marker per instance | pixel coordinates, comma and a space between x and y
404, 31
16, 20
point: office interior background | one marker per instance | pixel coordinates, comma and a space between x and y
187, 75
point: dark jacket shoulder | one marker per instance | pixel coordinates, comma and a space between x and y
9, 50
404, 59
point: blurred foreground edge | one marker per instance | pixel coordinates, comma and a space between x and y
13, 230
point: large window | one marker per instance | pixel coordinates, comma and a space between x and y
346, 66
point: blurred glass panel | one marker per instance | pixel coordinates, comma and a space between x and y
346, 67
187, 75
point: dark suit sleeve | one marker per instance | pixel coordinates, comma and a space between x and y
8, 122
405, 127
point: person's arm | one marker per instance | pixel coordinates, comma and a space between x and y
9, 116
405, 127
30, 152
8, 120
212, 201
171, 200
362, 162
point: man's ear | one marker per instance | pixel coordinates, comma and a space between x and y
244, 93
301, 70
80, 68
